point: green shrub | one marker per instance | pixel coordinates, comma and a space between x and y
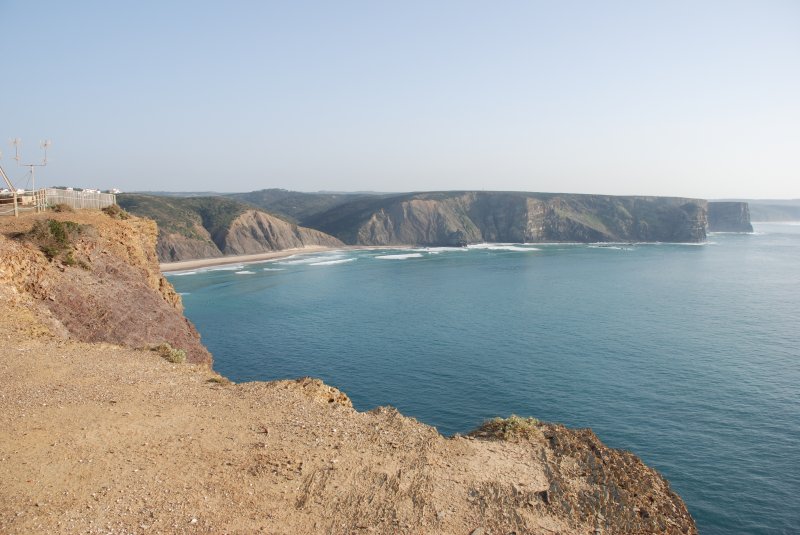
114, 211
512, 428
56, 239
62, 207
171, 354
218, 379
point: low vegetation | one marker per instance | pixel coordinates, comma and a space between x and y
219, 380
186, 215
170, 354
62, 207
56, 239
115, 212
512, 428
295, 206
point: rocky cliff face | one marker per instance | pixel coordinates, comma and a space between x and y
210, 227
107, 289
471, 217
729, 217
174, 247
257, 232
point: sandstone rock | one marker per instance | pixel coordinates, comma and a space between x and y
458, 218
121, 297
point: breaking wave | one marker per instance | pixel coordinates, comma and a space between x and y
332, 262
398, 256
502, 247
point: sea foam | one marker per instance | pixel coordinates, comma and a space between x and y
179, 273
332, 262
502, 247
310, 260
398, 256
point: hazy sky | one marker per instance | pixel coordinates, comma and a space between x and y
686, 98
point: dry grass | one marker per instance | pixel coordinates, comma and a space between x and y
171, 354
512, 428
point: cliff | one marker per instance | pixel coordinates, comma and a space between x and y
103, 283
254, 231
777, 210
103, 438
210, 227
729, 217
457, 218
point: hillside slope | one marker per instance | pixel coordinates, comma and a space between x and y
103, 283
209, 227
458, 218
777, 210
295, 206
98, 438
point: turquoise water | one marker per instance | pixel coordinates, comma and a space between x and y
688, 355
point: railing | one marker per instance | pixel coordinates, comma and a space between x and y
78, 199
40, 200
10, 204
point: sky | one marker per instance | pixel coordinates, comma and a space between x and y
683, 98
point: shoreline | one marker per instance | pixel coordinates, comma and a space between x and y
185, 265
201, 263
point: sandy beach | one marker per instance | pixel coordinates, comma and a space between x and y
167, 267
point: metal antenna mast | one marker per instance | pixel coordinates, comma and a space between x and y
11, 187
17, 142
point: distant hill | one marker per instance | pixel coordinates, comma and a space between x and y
295, 205
180, 193
265, 220
209, 227
459, 218
774, 210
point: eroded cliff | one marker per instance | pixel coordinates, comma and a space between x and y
256, 232
105, 287
211, 227
457, 218
726, 216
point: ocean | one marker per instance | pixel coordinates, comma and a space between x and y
686, 354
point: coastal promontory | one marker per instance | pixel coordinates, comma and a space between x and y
104, 432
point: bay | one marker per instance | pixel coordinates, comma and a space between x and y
688, 355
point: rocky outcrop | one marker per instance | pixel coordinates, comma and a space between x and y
729, 217
211, 227
118, 296
458, 218
257, 232
174, 247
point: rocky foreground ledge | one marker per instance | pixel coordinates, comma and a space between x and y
101, 438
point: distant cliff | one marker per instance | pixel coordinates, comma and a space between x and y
458, 218
729, 217
208, 227
774, 210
